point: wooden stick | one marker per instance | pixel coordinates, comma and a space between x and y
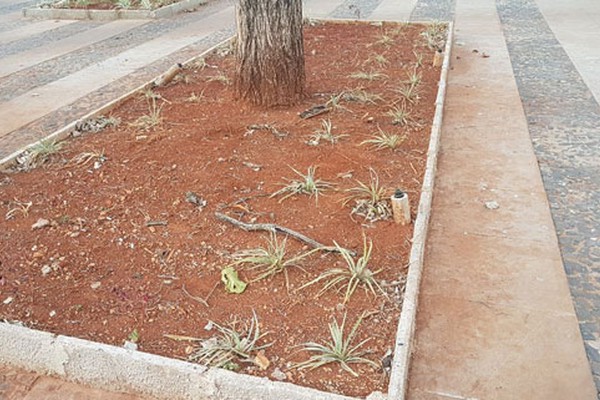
277, 228
198, 299
168, 76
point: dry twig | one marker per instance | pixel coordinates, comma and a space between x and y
277, 228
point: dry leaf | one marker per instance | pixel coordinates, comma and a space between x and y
262, 361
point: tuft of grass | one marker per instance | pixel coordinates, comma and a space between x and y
308, 185
385, 40
195, 98
229, 345
435, 35
325, 133
379, 59
410, 89
356, 272
401, 116
83, 159
370, 199
123, 4
152, 119
362, 96
41, 153
335, 102
18, 207
146, 4
419, 59
270, 260
368, 76
220, 77
339, 349
414, 78
383, 140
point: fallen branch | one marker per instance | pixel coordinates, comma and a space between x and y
277, 228
168, 76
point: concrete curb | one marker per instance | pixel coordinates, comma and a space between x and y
406, 326
124, 370
118, 369
111, 15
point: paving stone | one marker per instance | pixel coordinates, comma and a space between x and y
433, 10
45, 38
355, 9
563, 118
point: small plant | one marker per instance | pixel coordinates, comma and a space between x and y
335, 102
383, 140
435, 35
134, 336
83, 159
151, 94
146, 4
414, 78
356, 272
152, 119
419, 59
195, 98
199, 64
270, 260
370, 200
124, 4
410, 89
18, 207
401, 116
362, 96
339, 349
41, 152
325, 133
229, 345
379, 59
220, 77
308, 185
368, 76
385, 40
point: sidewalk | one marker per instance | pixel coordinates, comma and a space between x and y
496, 318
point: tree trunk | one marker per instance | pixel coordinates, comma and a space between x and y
270, 52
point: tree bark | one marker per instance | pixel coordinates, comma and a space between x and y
270, 52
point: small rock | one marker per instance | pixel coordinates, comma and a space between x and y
492, 205
46, 270
377, 395
208, 326
130, 345
52, 313
278, 375
96, 285
8, 300
41, 223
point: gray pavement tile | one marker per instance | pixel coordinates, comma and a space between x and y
355, 9
563, 119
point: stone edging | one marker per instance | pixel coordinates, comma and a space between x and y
110, 15
119, 369
406, 327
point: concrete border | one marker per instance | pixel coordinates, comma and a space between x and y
406, 326
111, 15
118, 369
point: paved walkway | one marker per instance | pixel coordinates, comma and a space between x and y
496, 319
